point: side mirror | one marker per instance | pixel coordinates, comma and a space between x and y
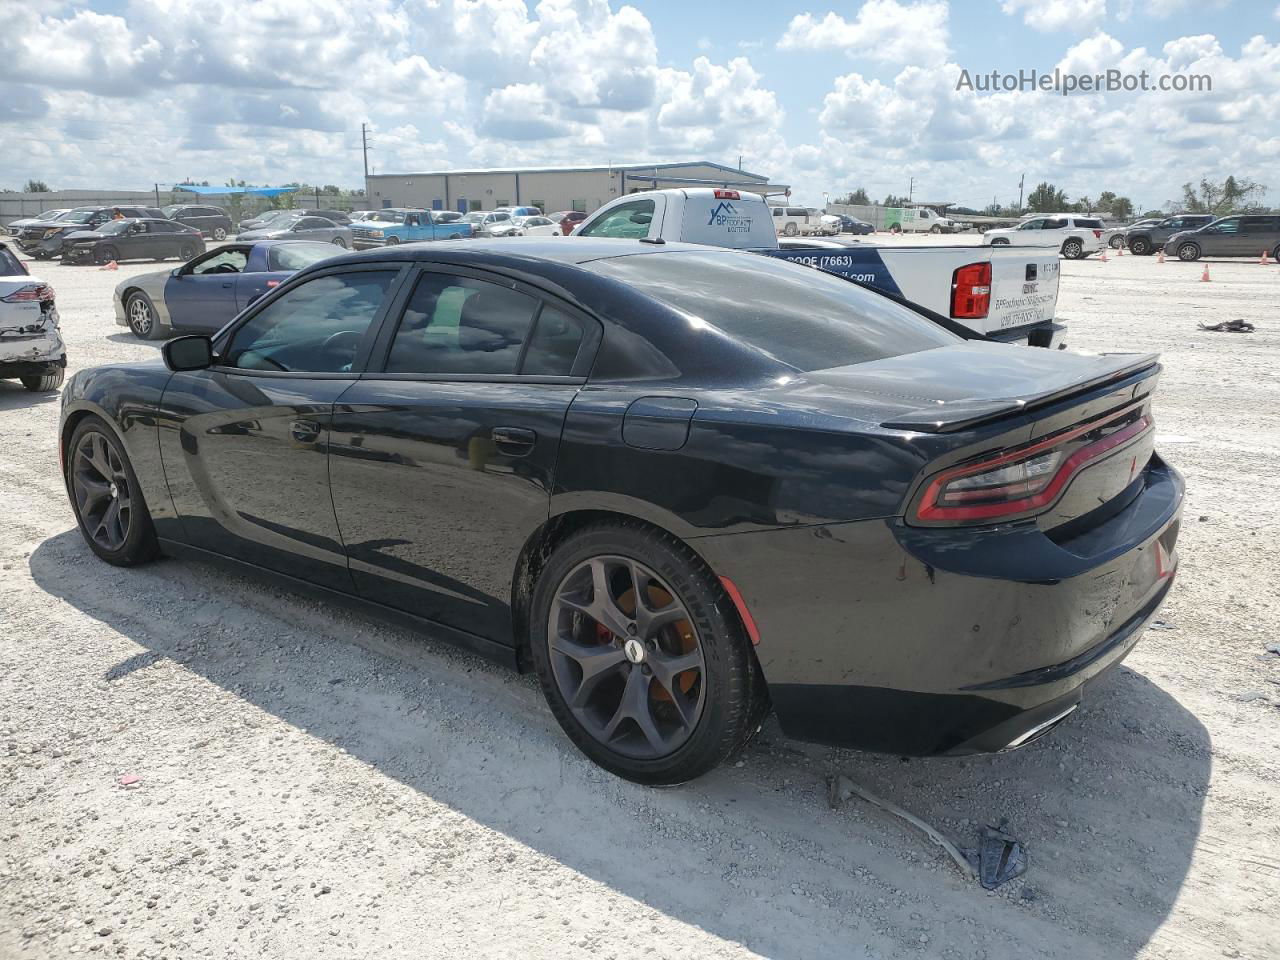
193, 352
175, 272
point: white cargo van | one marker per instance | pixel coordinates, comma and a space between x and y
998, 292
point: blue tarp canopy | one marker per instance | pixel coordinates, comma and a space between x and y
227, 191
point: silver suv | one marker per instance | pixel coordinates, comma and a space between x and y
1236, 236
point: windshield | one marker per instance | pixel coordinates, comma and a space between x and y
473, 218
801, 317
78, 216
115, 226
171, 209
390, 216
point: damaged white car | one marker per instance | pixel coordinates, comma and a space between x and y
31, 347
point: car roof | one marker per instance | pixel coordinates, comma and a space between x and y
517, 252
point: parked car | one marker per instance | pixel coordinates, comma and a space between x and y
994, 293
1152, 236
1075, 236
538, 226
830, 224
268, 216
519, 211
44, 241
791, 221
31, 347
204, 294
211, 221
301, 227
405, 225
482, 223
568, 220
918, 220
683, 484
1247, 235
446, 216
15, 226
855, 226
152, 239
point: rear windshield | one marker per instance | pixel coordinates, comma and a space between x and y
10, 266
802, 317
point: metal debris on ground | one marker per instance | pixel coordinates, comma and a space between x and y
998, 858
841, 788
1273, 648
1160, 625
1228, 326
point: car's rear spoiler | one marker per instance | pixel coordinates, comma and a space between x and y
963, 414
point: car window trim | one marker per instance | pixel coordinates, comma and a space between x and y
224, 336
592, 333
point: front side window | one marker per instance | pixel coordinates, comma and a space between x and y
1229, 225
317, 327
627, 220
1033, 225
457, 325
224, 261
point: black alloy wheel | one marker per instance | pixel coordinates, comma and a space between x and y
106, 497
107, 253
641, 655
187, 252
1140, 245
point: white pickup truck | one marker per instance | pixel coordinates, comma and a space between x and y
1001, 293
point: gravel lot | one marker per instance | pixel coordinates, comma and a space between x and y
316, 784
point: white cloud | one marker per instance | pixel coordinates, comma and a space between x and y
1048, 15
882, 30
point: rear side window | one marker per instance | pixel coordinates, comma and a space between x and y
627, 220
1261, 224
1089, 224
1058, 223
295, 256
801, 317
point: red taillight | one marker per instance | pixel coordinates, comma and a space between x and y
1022, 480
971, 291
1097, 234
31, 293
728, 195
273, 283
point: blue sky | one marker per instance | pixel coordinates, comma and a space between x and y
825, 96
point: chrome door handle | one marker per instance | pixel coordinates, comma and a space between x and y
304, 431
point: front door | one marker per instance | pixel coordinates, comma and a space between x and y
442, 455
245, 444
201, 297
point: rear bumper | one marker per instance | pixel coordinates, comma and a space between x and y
1047, 334
924, 642
367, 243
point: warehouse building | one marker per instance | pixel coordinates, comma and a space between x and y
552, 188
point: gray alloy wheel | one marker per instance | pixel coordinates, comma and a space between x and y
339, 242
45, 382
1072, 248
105, 495
219, 233
1140, 245
1188, 251
141, 316
1116, 242
626, 658
107, 253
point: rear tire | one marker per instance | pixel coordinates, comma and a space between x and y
1116, 242
339, 242
1189, 251
1072, 248
731, 698
790, 230
105, 496
1140, 246
187, 252
45, 382
219, 233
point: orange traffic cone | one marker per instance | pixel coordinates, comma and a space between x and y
1265, 258
110, 265
1120, 250
1104, 255
1160, 256
1204, 277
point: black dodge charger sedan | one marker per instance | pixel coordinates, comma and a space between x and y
682, 484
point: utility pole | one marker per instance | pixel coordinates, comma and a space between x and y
911, 189
1021, 182
364, 146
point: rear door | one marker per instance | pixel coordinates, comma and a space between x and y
245, 450
442, 455
1259, 234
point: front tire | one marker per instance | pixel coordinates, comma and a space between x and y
108, 253
219, 233
1072, 249
140, 313
1189, 251
1140, 245
790, 230
641, 655
1116, 242
391, 241
339, 242
999, 241
45, 382
935, 229
106, 498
